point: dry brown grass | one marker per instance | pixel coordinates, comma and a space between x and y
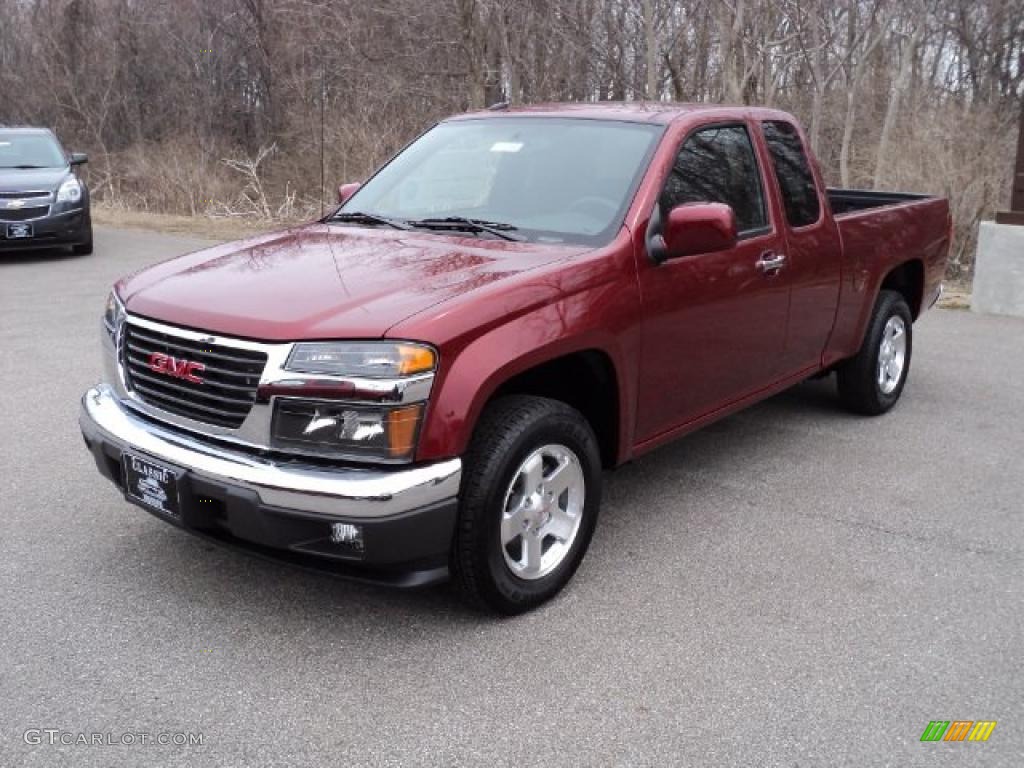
213, 228
955, 298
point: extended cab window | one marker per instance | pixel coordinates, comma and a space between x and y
796, 182
717, 165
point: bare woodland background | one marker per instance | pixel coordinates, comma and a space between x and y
214, 106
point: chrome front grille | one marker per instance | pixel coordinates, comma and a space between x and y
229, 377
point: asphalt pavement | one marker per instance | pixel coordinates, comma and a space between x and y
793, 586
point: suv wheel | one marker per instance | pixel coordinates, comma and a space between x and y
529, 503
83, 249
871, 382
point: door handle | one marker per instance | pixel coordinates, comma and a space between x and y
771, 262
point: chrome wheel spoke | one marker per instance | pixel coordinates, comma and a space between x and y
561, 525
533, 553
513, 523
559, 481
532, 473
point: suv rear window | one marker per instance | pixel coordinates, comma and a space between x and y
796, 182
717, 165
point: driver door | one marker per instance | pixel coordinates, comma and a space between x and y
714, 324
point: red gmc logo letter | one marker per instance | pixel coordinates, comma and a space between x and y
172, 366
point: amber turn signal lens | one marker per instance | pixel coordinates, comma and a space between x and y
402, 426
415, 359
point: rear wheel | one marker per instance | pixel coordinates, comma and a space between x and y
529, 503
872, 381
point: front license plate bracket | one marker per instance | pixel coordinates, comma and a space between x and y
19, 231
153, 485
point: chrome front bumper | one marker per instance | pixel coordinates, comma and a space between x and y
343, 492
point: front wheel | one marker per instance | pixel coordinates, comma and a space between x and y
871, 382
85, 247
528, 504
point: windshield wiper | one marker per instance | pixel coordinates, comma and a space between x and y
23, 167
462, 224
361, 217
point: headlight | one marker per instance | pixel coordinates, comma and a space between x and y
347, 430
70, 191
352, 430
113, 316
372, 359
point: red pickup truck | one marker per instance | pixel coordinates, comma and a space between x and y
430, 380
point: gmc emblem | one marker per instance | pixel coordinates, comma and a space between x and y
172, 366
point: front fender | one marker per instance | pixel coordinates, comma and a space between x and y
600, 314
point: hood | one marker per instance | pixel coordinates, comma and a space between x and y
32, 179
324, 281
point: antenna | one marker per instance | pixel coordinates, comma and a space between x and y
323, 107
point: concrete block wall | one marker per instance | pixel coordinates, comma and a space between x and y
999, 270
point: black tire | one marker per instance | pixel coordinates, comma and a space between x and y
859, 388
83, 249
509, 430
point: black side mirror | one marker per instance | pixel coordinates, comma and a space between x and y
79, 158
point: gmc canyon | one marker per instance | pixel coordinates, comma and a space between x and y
430, 380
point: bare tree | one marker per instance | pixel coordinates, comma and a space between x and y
917, 93
914, 23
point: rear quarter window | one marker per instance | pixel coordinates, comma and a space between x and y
793, 171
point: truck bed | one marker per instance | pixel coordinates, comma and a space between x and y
844, 201
880, 230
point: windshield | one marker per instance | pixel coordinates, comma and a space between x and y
552, 180
30, 150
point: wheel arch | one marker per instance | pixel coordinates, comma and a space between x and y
585, 380
586, 373
907, 279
